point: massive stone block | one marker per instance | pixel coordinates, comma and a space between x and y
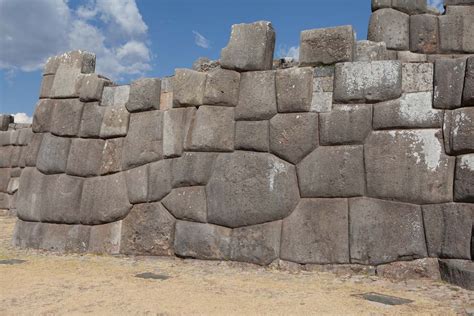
104, 199
332, 172
148, 230
144, 95
252, 135
66, 83
424, 37
53, 154
77, 61
105, 239
327, 46
410, 6
459, 131
458, 272
115, 122
250, 47
43, 115
412, 110
259, 244
202, 241
464, 179
384, 231
294, 89
92, 86
293, 135
137, 184
85, 157
187, 203
115, 96
392, 27
448, 83
248, 188
381, 4
211, 130
317, 232
5, 120
456, 29
222, 87
5, 174
468, 93
161, 177
345, 124
370, 51
66, 117
144, 141
368, 81
46, 85
5, 201
417, 77
91, 121
176, 124
193, 168
112, 156
188, 88
412, 169
257, 98
448, 230
31, 152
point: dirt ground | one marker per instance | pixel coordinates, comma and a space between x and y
52, 284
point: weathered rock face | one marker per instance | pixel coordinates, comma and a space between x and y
390, 26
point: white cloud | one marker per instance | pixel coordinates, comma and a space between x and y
33, 30
289, 53
200, 40
438, 4
22, 118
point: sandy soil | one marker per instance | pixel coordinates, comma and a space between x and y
50, 283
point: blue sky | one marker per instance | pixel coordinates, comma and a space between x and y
136, 38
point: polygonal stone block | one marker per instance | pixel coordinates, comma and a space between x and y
448, 230
450, 33
412, 169
259, 244
5, 201
468, 93
32, 150
222, 87
381, 4
317, 232
66, 83
458, 272
5, 174
193, 168
85, 157
176, 124
13, 185
385, 231
188, 88
24, 136
417, 77
321, 102
464, 179
26, 234
115, 122
91, 120
332, 172
250, 47
368, 81
144, 95
46, 85
294, 89
410, 6
104, 199
448, 83
92, 86
77, 238
160, 180
412, 110
293, 135
459, 131
115, 96
202, 241
345, 124
148, 230
53, 154
248, 188
257, 99
392, 27
187, 203
252, 135
424, 37
66, 117
327, 46
105, 239
212, 130
112, 156
370, 51
137, 184
42, 116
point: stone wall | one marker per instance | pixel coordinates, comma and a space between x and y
356, 155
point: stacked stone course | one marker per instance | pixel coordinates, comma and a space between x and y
358, 155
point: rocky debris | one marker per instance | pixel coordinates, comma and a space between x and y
204, 64
408, 270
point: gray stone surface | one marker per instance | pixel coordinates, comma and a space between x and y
293, 135
368, 81
46, 85
104, 199
294, 88
144, 95
427, 268
105, 239
384, 231
115, 122
424, 37
448, 230
85, 157
317, 232
450, 33
250, 47
92, 86
392, 27
417, 77
412, 110
187, 203
160, 180
112, 156
327, 46
202, 241
53, 154
412, 169
468, 93
459, 131
248, 188
259, 244
66, 83
458, 272
345, 124
370, 51
115, 96
252, 135
176, 124
5, 174
91, 120
410, 6
144, 141
5, 201
409, 57
381, 4
464, 179
31, 152
148, 230
137, 184
5, 120
188, 88
24, 136
332, 172
66, 117
77, 61
257, 99
193, 168
448, 83
211, 130
222, 87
